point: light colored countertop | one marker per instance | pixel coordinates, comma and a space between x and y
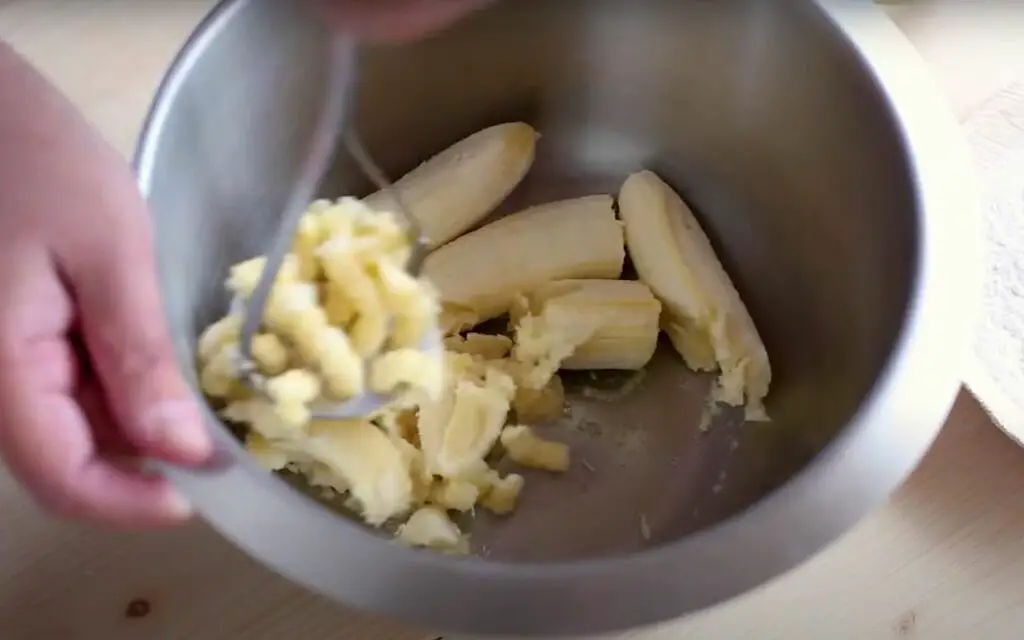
943, 559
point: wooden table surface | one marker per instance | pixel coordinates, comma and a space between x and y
943, 559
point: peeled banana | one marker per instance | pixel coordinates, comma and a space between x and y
624, 315
704, 317
454, 190
479, 275
553, 268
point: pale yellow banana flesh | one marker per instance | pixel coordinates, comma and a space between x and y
554, 268
453, 191
624, 314
369, 462
704, 316
479, 275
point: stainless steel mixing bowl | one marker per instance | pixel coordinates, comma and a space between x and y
825, 168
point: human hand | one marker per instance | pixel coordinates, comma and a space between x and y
395, 20
88, 380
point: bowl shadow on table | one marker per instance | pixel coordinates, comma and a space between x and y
968, 489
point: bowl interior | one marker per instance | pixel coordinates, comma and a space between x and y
758, 113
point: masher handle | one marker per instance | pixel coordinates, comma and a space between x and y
329, 126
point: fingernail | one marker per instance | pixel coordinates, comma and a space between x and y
177, 426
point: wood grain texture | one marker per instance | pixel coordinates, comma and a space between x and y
943, 560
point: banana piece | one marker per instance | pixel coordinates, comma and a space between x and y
503, 493
479, 275
376, 471
454, 190
266, 455
704, 316
546, 404
526, 448
431, 423
624, 315
431, 528
455, 495
218, 335
262, 417
457, 430
433, 416
478, 416
488, 347
543, 342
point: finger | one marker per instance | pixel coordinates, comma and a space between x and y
108, 440
395, 20
114, 284
44, 437
51, 453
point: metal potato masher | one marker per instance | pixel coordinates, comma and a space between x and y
329, 131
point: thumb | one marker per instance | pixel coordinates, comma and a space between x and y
122, 321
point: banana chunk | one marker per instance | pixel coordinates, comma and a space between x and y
705, 319
431, 528
454, 190
526, 448
624, 315
478, 414
375, 469
540, 405
479, 275
486, 346
503, 494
